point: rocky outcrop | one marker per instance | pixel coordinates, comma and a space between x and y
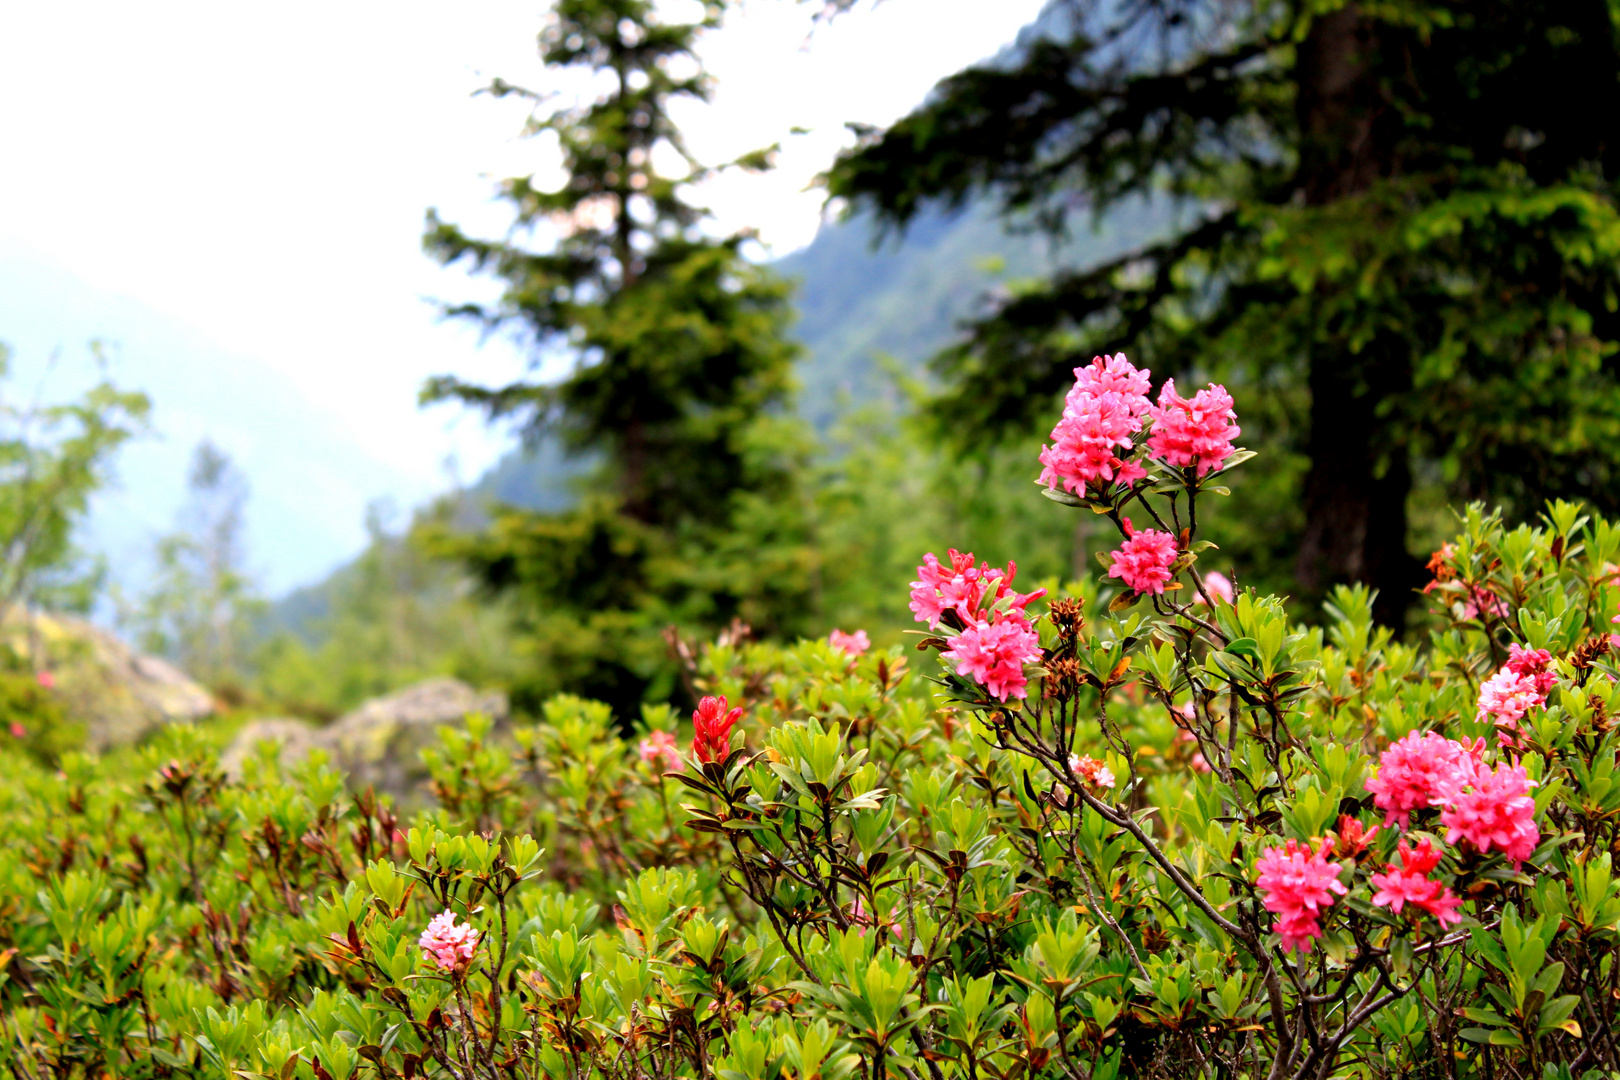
119, 695
294, 739
379, 744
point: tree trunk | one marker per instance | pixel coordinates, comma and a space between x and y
1359, 479
1357, 486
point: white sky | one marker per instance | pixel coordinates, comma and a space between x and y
260, 172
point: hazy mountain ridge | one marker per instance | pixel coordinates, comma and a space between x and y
859, 298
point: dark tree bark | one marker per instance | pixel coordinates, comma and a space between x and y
1356, 490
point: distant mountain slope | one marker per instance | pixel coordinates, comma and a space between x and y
311, 478
907, 297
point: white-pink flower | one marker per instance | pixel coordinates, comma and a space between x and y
448, 944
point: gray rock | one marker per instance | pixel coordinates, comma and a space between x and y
294, 739
118, 694
379, 744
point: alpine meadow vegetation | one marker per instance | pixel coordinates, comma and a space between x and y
1140, 824
1111, 806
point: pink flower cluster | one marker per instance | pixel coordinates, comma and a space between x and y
1298, 884
1479, 599
994, 653
1090, 771
1489, 808
1193, 431
1093, 445
997, 638
1521, 685
1420, 771
1482, 600
1102, 412
854, 644
1496, 811
1143, 562
659, 748
449, 945
963, 588
1410, 884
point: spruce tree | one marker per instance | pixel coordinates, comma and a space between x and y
681, 369
1404, 213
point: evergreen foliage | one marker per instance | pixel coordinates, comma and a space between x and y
679, 362
1403, 229
201, 605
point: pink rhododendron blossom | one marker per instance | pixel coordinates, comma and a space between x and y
1219, 588
964, 588
1143, 561
1420, 771
659, 748
1531, 664
1482, 601
1521, 685
46, 679
854, 644
1197, 430
711, 724
1496, 811
993, 654
1101, 414
1091, 771
1410, 884
448, 944
1297, 884
1115, 375
18, 731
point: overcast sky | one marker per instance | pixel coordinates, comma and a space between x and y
259, 172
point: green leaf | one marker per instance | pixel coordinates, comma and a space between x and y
1244, 646
1123, 600
1058, 495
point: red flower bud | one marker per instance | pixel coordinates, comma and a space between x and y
712, 723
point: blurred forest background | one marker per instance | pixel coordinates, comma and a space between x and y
1390, 230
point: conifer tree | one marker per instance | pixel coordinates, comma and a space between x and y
1403, 212
680, 369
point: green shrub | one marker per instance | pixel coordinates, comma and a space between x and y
885, 871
